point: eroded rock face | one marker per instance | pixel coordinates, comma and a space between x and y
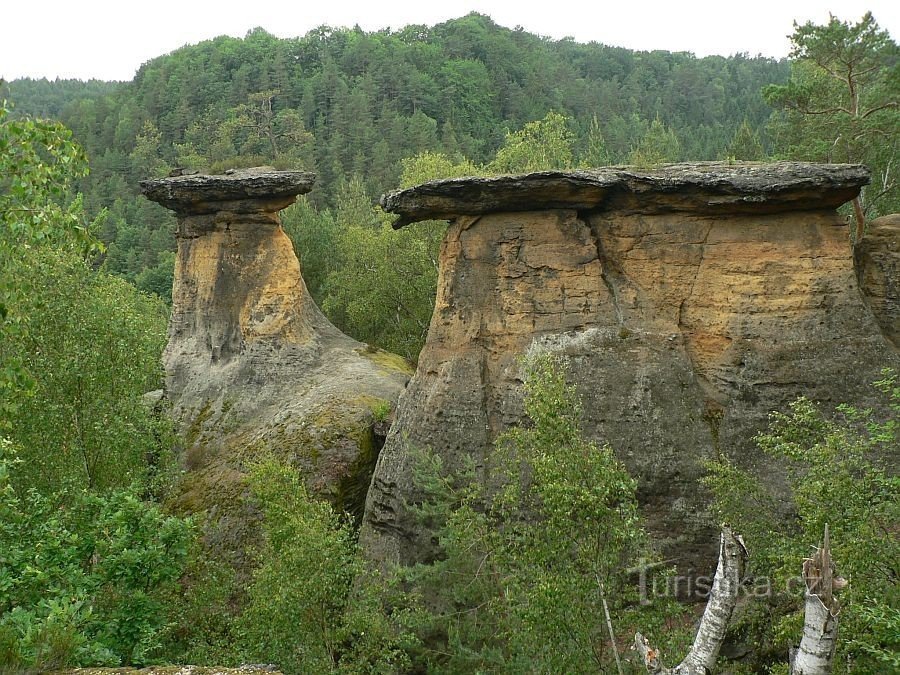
252, 365
690, 301
878, 269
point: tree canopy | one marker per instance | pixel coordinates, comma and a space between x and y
841, 104
349, 103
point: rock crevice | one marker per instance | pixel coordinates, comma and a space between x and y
690, 301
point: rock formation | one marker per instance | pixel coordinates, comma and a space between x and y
690, 301
252, 365
878, 269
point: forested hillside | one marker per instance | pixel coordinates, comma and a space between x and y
352, 105
105, 562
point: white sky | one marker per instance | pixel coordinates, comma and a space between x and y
110, 39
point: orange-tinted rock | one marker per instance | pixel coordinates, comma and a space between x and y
691, 301
252, 365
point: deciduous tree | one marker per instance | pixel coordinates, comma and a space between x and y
538, 146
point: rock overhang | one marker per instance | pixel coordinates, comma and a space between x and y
252, 366
700, 187
259, 189
689, 301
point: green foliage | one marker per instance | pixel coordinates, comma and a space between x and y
277, 130
841, 104
158, 280
384, 294
745, 145
595, 153
835, 477
435, 165
383, 290
87, 564
526, 564
145, 157
659, 145
91, 350
84, 583
39, 164
46, 99
315, 237
79, 347
201, 625
538, 146
304, 612
301, 587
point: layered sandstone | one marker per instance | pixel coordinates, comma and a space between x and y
690, 301
878, 269
252, 366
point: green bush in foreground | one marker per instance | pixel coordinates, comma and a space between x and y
528, 567
310, 608
85, 578
834, 474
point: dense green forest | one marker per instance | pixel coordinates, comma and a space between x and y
93, 568
352, 105
369, 112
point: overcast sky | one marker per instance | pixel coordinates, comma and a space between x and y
110, 39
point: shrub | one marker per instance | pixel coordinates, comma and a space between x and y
836, 473
84, 578
311, 607
528, 567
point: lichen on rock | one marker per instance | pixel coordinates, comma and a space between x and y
252, 365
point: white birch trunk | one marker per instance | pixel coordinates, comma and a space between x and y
719, 607
816, 652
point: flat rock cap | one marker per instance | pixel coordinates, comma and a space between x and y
246, 190
702, 187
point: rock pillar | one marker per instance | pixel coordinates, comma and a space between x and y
878, 269
690, 301
252, 366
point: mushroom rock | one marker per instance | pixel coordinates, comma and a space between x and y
690, 302
878, 270
252, 365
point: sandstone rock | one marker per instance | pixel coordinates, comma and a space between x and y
703, 187
878, 270
252, 365
690, 300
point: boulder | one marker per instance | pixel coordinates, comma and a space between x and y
690, 301
252, 365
